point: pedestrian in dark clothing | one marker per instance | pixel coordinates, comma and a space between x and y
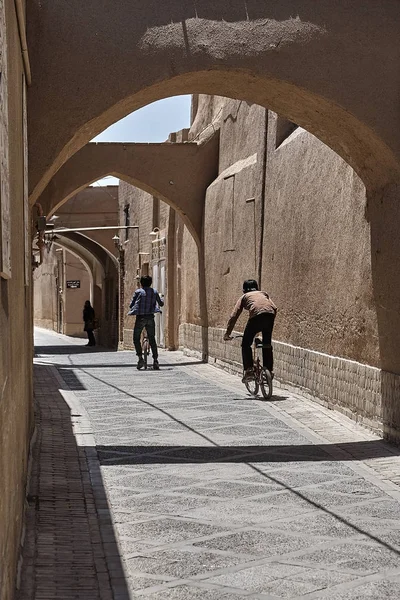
88, 318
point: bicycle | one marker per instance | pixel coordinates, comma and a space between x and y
262, 376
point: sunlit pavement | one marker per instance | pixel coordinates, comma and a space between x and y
177, 484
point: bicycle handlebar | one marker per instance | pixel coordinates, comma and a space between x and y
240, 335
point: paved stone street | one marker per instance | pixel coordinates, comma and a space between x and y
177, 484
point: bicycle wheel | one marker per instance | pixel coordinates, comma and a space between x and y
252, 385
266, 384
146, 352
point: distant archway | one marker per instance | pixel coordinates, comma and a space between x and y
91, 253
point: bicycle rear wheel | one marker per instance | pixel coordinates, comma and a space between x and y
266, 384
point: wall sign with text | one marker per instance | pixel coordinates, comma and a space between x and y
73, 284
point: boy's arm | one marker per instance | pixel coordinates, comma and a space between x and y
234, 317
134, 298
159, 301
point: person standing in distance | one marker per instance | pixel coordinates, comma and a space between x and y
88, 319
262, 313
145, 302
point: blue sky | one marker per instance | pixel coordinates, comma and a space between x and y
152, 123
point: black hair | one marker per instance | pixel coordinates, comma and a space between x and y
146, 281
250, 285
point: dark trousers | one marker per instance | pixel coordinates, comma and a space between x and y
91, 338
147, 321
265, 324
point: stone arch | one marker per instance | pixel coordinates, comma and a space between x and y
177, 173
318, 66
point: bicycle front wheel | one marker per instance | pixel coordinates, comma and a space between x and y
266, 384
252, 386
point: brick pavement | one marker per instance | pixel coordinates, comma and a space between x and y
191, 489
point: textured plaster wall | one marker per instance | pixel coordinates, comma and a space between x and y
327, 260
45, 291
233, 204
317, 251
15, 310
187, 277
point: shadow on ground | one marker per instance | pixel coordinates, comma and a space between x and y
352, 451
70, 548
69, 349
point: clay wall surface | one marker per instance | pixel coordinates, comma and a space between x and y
317, 251
16, 417
233, 206
187, 277
45, 283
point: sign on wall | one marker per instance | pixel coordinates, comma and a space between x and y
73, 284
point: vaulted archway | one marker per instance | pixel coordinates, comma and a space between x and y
103, 268
177, 173
320, 67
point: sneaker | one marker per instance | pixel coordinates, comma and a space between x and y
247, 375
156, 366
140, 364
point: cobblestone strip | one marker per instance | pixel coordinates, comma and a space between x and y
63, 553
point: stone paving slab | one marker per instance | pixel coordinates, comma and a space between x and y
193, 489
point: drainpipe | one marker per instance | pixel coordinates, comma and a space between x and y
22, 36
203, 301
171, 282
263, 184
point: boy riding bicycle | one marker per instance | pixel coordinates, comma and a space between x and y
145, 302
261, 318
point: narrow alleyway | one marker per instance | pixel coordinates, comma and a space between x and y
176, 484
